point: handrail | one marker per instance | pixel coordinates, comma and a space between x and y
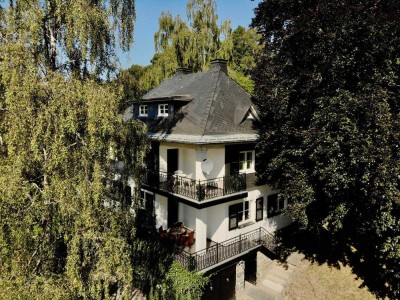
219, 252
197, 189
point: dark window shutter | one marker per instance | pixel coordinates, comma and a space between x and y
128, 196
149, 202
259, 208
233, 215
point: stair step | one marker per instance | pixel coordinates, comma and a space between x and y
273, 285
276, 278
264, 293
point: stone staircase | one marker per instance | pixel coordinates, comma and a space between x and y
274, 281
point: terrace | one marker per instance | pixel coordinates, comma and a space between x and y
199, 190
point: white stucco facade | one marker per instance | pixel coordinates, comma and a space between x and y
212, 222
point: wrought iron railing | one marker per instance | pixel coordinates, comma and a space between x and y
197, 189
222, 251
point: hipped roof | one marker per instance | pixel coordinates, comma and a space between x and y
217, 110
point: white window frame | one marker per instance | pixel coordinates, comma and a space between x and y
163, 110
145, 198
245, 217
247, 165
143, 110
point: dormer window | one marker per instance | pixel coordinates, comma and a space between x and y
143, 111
162, 110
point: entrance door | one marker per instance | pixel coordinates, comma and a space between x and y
172, 160
221, 285
250, 271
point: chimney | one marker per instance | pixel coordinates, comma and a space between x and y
219, 64
182, 71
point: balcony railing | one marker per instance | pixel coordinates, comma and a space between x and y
197, 189
222, 251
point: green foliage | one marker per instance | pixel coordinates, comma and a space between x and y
71, 36
180, 284
195, 43
130, 80
327, 85
245, 47
60, 134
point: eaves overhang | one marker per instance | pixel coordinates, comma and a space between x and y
203, 139
175, 98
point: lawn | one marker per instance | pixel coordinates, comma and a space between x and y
320, 281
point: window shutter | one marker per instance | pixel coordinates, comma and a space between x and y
233, 223
259, 209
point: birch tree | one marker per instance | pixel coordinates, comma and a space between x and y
60, 132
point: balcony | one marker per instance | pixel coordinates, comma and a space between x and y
220, 252
199, 190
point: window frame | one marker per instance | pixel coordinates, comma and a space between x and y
248, 164
144, 107
276, 208
163, 110
144, 196
240, 213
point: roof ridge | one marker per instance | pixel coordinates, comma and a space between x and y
212, 101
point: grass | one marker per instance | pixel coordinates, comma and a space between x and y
321, 281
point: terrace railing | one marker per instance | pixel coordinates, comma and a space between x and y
197, 189
222, 251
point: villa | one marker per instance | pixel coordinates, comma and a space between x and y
202, 173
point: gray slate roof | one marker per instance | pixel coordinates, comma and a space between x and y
217, 112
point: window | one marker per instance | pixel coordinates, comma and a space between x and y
143, 111
246, 161
128, 196
162, 110
275, 205
147, 199
259, 208
238, 213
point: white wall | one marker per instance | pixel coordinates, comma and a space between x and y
191, 157
186, 157
217, 155
161, 210
187, 215
216, 217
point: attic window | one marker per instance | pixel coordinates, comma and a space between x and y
143, 111
162, 110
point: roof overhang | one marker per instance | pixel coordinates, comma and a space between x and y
183, 98
203, 139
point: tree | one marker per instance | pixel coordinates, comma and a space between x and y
327, 87
244, 47
196, 43
60, 135
180, 44
72, 36
130, 80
